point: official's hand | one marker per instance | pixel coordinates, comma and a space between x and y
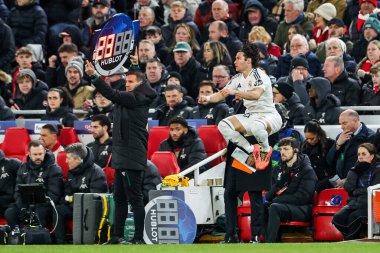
52, 61
134, 58
89, 68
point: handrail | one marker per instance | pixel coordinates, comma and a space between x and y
42, 112
362, 108
196, 167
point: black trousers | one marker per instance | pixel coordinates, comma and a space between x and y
65, 212
128, 189
277, 213
349, 221
44, 213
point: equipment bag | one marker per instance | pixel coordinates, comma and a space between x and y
35, 235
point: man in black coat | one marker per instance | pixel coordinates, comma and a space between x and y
41, 168
7, 47
184, 143
129, 147
292, 193
343, 155
84, 176
8, 174
175, 106
101, 147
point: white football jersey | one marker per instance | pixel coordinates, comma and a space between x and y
256, 78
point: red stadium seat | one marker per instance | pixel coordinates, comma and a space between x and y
61, 161
16, 141
156, 136
166, 163
213, 141
3, 222
68, 136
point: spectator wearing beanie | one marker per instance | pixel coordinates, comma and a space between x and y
367, 7
340, 6
323, 14
371, 31
283, 93
298, 77
76, 85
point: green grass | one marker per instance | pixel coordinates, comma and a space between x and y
207, 248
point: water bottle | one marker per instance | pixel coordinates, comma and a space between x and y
14, 239
129, 227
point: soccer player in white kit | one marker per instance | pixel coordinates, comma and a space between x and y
261, 117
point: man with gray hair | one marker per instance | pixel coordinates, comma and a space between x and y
336, 47
293, 15
345, 88
84, 176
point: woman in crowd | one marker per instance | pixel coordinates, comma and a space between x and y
293, 30
258, 33
351, 218
373, 56
323, 14
60, 107
183, 32
316, 146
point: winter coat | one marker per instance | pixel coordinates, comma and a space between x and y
214, 113
108, 111
81, 93
5, 112
283, 27
55, 77
205, 72
345, 158
189, 74
369, 97
327, 108
4, 11
8, 174
163, 113
63, 114
322, 53
298, 181
283, 66
62, 11
296, 110
317, 155
358, 180
129, 133
76, 38
7, 47
150, 180
299, 87
361, 48
35, 100
233, 45
267, 20
346, 89
48, 173
101, 151
86, 178
191, 149
29, 24
163, 52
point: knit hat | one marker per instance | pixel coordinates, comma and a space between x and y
77, 63
176, 75
372, 22
102, 2
284, 88
326, 11
336, 21
374, 2
299, 60
30, 73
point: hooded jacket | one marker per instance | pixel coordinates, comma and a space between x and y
190, 149
8, 174
346, 89
48, 173
63, 114
86, 178
267, 21
7, 47
299, 87
296, 110
129, 134
101, 151
76, 38
5, 112
163, 113
213, 112
326, 109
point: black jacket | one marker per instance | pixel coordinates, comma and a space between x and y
299, 87
101, 151
189, 74
129, 134
55, 77
29, 24
86, 178
326, 110
369, 97
317, 155
345, 158
5, 112
150, 180
346, 89
163, 113
358, 180
8, 174
35, 100
233, 45
283, 66
163, 52
214, 113
192, 150
296, 110
62, 10
48, 173
298, 181
63, 114
267, 20
7, 47
108, 111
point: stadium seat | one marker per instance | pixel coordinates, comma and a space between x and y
166, 163
16, 141
68, 136
330, 201
61, 161
156, 136
213, 141
3, 222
